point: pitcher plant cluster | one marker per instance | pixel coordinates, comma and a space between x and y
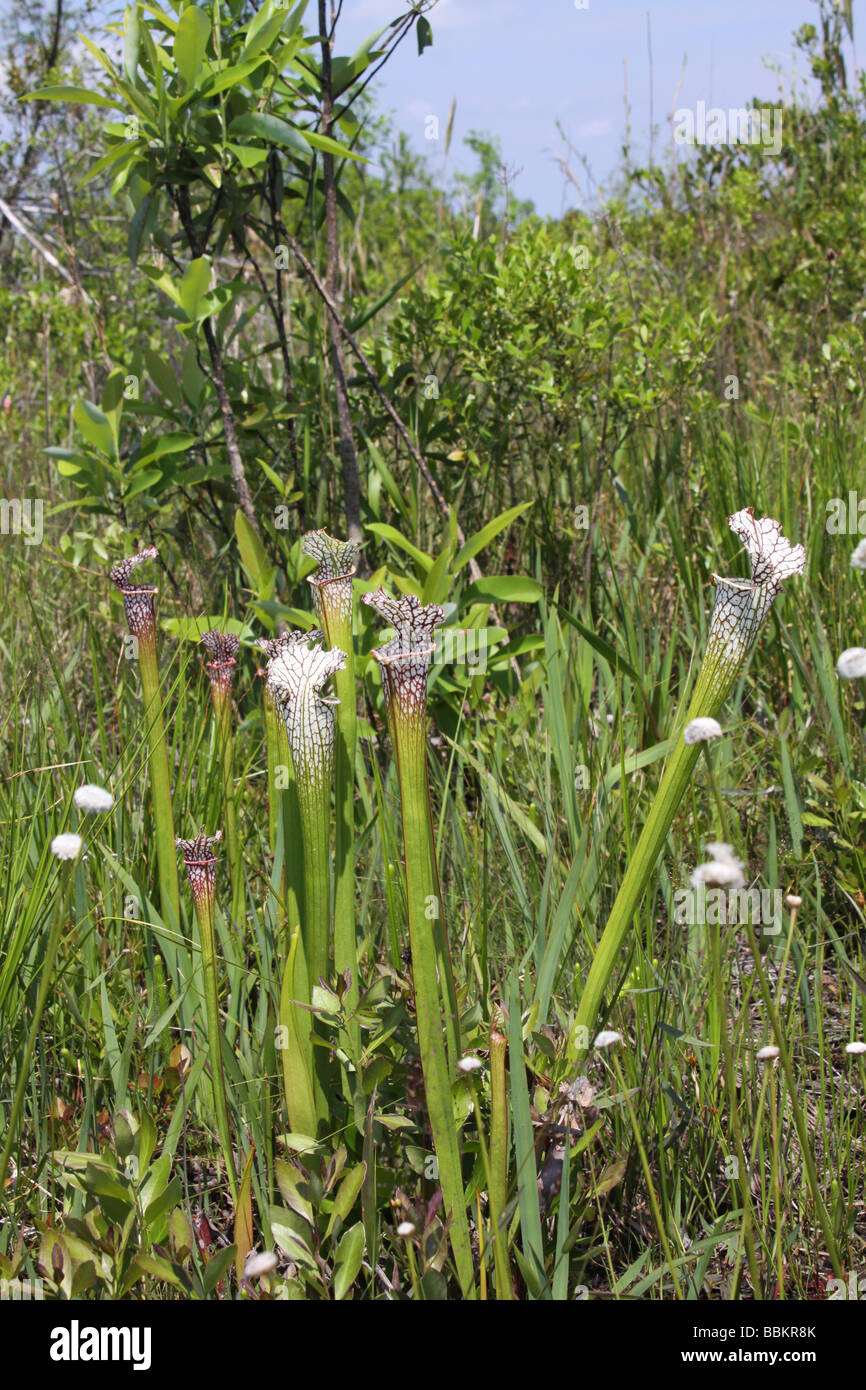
310, 694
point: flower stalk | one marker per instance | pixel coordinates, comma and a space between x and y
333, 597
139, 602
222, 647
404, 663
740, 608
200, 864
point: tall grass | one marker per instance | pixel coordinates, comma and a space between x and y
621, 1185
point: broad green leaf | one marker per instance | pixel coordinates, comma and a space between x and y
194, 285
162, 377
252, 553
437, 582
165, 444
347, 1194
137, 226
389, 533
486, 534
216, 1268
270, 128
190, 42
131, 39
263, 29
231, 76
95, 427
248, 156
142, 482
324, 142
78, 95
504, 588
350, 1253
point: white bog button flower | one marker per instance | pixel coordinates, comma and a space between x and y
257, 1265
607, 1038
92, 799
858, 559
768, 1054
717, 849
67, 846
468, 1064
406, 1228
701, 730
852, 663
856, 1049
719, 873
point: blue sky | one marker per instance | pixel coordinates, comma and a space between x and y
516, 67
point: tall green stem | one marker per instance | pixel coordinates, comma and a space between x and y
201, 869
223, 648
225, 739
404, 662
296, 675
740, 609
334, 599
139, 602
160, 779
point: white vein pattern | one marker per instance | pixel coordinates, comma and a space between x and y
741, 605
405, 660
139, 600
274, 645
223, 648
200, 863
295, 676
332, 582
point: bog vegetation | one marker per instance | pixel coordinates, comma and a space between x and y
340, 951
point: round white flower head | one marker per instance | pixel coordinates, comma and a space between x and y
858, 558
793, 901
767, 1054
92, 799
67, 846
406, 1228
257, 1265
702, 730
606, 1039
852, 663
856, 1049
720, 873
717, 849
468, 1064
